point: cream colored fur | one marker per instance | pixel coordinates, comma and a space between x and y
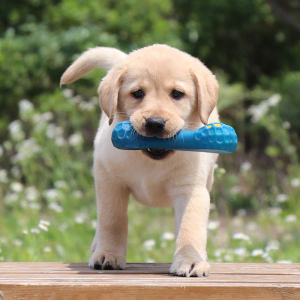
182, 180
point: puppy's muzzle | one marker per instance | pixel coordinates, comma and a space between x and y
155, 125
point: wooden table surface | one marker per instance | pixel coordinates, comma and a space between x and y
147, 281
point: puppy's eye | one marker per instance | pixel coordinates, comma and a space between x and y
176, 95
139, 94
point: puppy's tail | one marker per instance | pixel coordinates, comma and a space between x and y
99, 57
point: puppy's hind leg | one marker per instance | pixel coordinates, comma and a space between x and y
109, 244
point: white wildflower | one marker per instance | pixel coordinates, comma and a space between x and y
228, 257
218, 252
67, 93
241, 251
84, 105
286, 125
36, 118
241, 212
212, 206
267, 257
272, 245
94, 223
235, 190
193, 36
25, 106
284, 261
274, 100
47, 116
61, 184
47, 249
11, 198
45, 222
290, 218
257, 111
7, 145
54, 131
80, 218
168, 236
43, 226
16, 131
251, 226
75, 99
216, 166
295, 182
34, 205
212, 225
150, 261
240, 236
35, 230
257, 252
26, 149
52, 195
149, 244
16, 187
15, 170
281, 198
60, 141
56, 207
75, 139
95, 100
31, 193
78, 194
3, 240
17, 242
274, 211
246, 166
3, 176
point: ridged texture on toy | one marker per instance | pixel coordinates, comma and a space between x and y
215, 137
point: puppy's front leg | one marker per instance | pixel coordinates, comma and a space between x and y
191, 215
110, 240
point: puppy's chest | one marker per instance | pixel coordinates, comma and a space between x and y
148, 191
148, 186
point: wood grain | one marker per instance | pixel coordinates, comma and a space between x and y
147, 281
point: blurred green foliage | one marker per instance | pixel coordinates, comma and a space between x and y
244, 38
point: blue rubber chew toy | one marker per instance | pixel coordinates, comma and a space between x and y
214, 137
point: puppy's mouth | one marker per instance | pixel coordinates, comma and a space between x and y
157, 154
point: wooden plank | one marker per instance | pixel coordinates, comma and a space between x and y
216, 268
148, 281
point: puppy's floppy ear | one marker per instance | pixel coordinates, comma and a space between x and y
99, 57
109, 92
207, 88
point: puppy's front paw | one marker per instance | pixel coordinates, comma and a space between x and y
107, 261
188, 267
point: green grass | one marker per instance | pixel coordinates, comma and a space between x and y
48, 208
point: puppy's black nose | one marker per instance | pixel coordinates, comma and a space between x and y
155, 125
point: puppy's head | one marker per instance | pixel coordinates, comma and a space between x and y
161, 90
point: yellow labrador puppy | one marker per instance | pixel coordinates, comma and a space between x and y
160, 90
